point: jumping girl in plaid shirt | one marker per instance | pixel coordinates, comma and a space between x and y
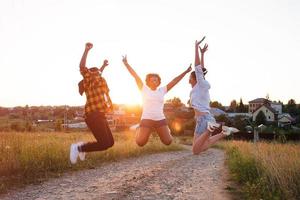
97, 104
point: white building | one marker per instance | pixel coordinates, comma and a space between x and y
256, 103
269, 112
285, 119
76, 125
277, 107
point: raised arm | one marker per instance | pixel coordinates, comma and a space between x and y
88, 46
105, 64
178, 78
138, 80
197, 58
203, 50
199, 70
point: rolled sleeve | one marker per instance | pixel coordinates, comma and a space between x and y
199, 73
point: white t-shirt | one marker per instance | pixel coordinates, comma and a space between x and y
153, 103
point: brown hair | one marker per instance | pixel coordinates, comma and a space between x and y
93, 69
193, 73
148, 76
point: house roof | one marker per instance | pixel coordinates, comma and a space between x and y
275, 103
259, 100
290, 119
268, 107
288, 116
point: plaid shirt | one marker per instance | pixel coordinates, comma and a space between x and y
96, 92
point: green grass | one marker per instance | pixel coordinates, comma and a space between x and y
265, 170
33, 157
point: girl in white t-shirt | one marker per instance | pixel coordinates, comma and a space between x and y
153, 103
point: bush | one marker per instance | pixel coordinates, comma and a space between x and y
260, 118
265, 170
17, 126
239, 122
58, 125
225, 119
190, 125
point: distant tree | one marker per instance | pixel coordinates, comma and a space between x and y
292, 102
298, 119
14, 116
216, 104
233, 105
184, 114
58, 112
71, 113
25, 112
241, 107
260, 118
239, 122
190, 125
246, 108
291, 107
175, 102
4, 111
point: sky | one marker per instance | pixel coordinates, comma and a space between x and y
254, 47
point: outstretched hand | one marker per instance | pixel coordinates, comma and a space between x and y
204, 49
197, 43
125, 60
189, 69
88, 46
105, 63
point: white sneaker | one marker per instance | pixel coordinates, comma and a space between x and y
229, 130
211, 126
74, 153
81, 154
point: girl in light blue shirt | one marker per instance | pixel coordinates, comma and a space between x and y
200, 100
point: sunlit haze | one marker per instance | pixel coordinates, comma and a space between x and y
254, 47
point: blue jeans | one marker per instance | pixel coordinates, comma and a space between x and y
201, 123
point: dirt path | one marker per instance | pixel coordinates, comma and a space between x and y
170, 175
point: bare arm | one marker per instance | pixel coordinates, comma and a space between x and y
138, 80
88, 46
203, 50
105, 64
178, 78
197, 58
200, 71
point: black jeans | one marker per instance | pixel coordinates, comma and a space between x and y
97, 123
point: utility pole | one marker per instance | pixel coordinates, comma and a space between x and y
256, 136
66, 118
